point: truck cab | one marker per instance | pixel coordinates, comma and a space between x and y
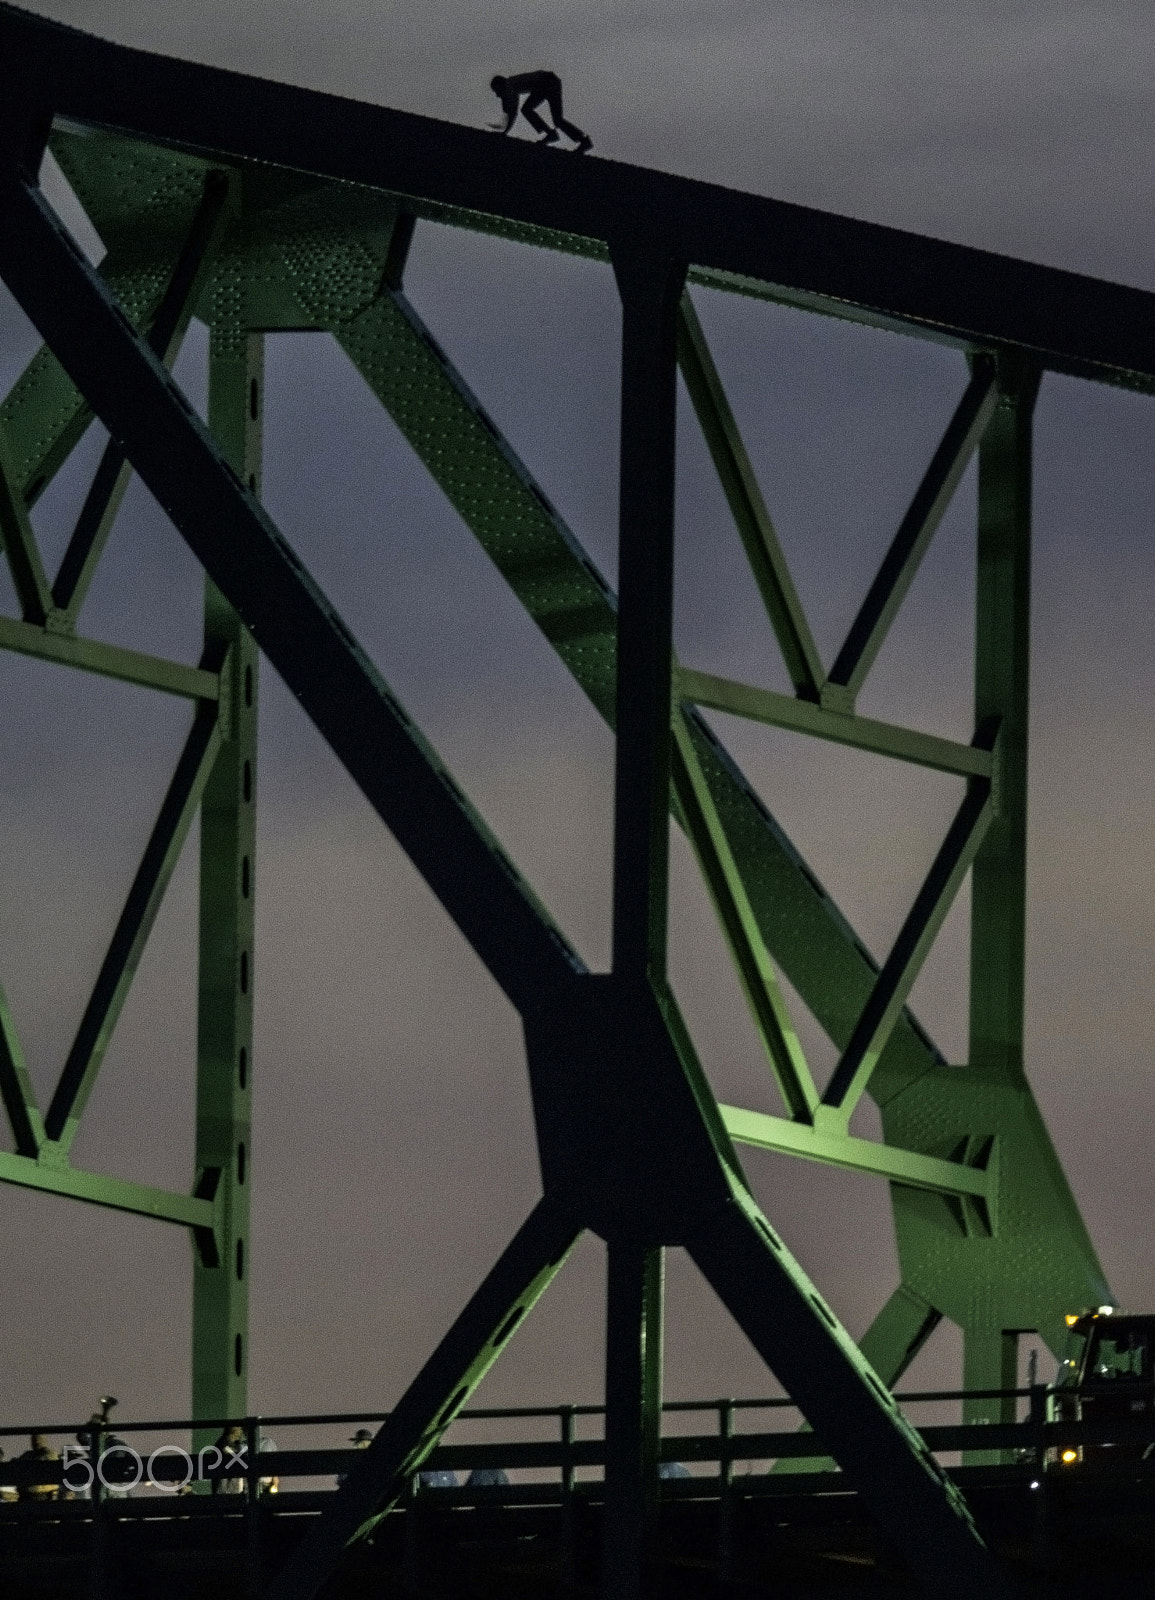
1106, 1375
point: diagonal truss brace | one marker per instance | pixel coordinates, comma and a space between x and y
516, 1282
118, 969
901, 562
756, 530
894, 983
19, 542
165, 337
703, 827
16, 1088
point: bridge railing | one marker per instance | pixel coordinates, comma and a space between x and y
567, 1456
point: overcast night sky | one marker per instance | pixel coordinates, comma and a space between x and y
392, 1149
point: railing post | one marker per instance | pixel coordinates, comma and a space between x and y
1040, 1528
568, 1528
99, 1553
725, 1491
411, 1558
253, 1504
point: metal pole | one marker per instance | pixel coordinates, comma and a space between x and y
253, 1504
568, 1530
633, 1416
725, 1491
650, 283
1002, 667
227, 885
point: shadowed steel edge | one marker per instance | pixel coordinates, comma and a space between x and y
259, 208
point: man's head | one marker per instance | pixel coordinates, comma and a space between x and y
500, 86
39, 1441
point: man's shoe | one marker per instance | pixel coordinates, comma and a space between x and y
549, 137
584, 143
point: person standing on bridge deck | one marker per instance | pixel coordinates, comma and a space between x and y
529, 90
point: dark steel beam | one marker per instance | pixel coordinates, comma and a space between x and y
650, 283
970, 297
633, 1414
853, 1415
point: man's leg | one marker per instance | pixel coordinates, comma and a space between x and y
529, 112
570, 129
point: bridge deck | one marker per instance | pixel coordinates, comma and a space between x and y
770, 1537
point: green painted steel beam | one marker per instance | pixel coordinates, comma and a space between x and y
931, 1173
870, 627
850, 1077
190, 1211
740, 485
1002, 690
110, 661
860, 733
166, 335
226, 976
510, 1290
44, 415
118, 969
16, 1089
20, 546
699, 817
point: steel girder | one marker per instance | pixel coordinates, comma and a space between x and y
988, 1231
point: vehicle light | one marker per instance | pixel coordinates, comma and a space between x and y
1070, 1320
1069, 1456
1106, 1311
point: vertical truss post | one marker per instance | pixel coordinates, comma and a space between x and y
225, 996
990, 1361
650, 286
633, 1414
650, 283
999, 880
1002, 660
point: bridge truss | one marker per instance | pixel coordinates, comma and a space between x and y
259, 208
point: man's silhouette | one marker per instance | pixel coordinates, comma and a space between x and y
528, 90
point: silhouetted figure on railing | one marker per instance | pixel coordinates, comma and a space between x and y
361, 1440
529, 90
40, 1450
231, 1445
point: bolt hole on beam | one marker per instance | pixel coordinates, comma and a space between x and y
244, 972
247, 782
508, 1326
243, 1068
245, 877
254, 399
240, 1259
238, 1355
